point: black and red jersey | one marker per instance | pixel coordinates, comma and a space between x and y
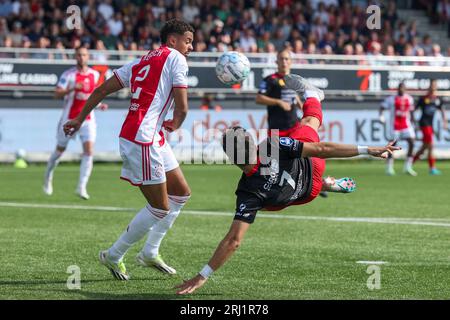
279, 179
274, 86
429, 104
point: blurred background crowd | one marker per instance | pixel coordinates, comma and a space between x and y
307, 26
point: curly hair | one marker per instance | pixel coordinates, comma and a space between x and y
175, 26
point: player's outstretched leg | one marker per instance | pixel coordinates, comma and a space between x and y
301, 86
51, 165
86, 166
410, 159
342, 185
390, 171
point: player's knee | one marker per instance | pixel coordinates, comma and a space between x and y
234, 242
60, 149
185, 191
313, 108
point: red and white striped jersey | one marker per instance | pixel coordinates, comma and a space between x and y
76, 99
400, 108
151, 80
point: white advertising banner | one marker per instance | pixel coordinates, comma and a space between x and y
34, 130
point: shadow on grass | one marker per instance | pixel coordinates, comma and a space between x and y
67, 294
63, 282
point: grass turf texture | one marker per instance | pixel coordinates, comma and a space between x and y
279, 258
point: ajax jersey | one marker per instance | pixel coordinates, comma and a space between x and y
400, 108
151, 80
76, 99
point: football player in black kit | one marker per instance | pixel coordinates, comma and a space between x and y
282, 102
284, 171
429, 104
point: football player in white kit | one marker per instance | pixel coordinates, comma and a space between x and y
75, 85
401, 107
157, 80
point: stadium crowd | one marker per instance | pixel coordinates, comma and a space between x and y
307, 26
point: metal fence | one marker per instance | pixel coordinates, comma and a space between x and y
36, 70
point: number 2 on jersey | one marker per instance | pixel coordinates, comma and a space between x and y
137, 90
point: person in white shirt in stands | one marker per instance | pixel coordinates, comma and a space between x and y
75, 85
157, 80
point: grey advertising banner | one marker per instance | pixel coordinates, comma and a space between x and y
17, 75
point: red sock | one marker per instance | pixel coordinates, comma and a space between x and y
416, 157
313, 108
431, 162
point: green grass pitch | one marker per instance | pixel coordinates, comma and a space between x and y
310, 254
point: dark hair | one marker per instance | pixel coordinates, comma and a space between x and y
174, 26
237, 145
285, 49
80, 47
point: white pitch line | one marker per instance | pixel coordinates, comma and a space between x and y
390, 220
372, 262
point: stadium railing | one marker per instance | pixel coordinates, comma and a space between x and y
338, 75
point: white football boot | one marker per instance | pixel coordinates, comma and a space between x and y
156, 262
48, 187
300, 85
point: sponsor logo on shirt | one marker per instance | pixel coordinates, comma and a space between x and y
134, 106
274, 170
286, 141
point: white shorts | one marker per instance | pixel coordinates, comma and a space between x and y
87, 132
146, 164
407, 133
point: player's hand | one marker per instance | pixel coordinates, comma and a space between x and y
78, 86
189, 286
383, 152
103, 106
71, 126
284, 105
169, 125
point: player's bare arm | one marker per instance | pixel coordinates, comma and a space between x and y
180, 97
61, 92
268, 101
224, 251
109, 86
326, 150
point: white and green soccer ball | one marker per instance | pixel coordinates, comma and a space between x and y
232, 67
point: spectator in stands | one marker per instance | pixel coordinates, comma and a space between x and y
7, 43
438, 60
4, 30
443, 11
59, 45
105, 9
190, 11
120, 23
427, 44
420, 53
247, 41
98, 56
400, 45
115, 24
390, 14
6, 8
43, 43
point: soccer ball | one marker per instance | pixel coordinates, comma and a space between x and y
232, 68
